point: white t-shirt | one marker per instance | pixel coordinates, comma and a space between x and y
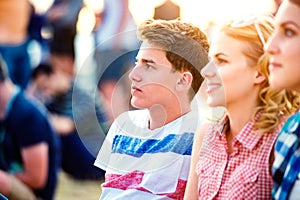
146, 164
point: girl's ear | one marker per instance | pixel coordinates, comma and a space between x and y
259, 78
185, 81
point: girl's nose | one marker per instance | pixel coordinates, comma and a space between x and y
271, 47
208, 70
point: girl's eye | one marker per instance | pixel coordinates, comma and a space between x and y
219, 61
288, 32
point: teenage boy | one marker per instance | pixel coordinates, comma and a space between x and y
146, 153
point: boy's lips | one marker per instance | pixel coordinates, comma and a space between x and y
135, 89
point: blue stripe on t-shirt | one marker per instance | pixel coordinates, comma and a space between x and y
180, 144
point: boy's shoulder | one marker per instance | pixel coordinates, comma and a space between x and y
130, 118
133, 115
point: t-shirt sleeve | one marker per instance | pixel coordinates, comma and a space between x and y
104, 155
31, 126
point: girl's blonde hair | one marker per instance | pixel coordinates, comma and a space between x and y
274, 106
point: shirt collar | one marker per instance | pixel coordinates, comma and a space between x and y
247, 137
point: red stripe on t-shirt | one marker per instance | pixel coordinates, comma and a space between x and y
133, 179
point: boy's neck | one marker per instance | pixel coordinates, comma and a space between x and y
160, 116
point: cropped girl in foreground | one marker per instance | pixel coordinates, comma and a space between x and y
232, 158
284, 52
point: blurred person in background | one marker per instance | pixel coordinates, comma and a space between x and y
14, 39
283, 49
71, 109
29, 148
116, 46
63, 15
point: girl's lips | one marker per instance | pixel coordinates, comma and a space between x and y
211, 87
273, 65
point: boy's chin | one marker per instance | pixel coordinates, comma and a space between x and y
137, 105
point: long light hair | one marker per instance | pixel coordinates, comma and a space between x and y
274, 106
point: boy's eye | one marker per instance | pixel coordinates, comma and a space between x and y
145, 65
148, 66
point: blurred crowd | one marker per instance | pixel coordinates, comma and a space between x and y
54, 109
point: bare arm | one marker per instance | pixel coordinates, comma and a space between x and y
36, 162
62, 125
191, 192
13, 188
5, 183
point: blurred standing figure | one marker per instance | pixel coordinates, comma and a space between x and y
116, 20
284, 51
29, 149
75, 114
63, 14
232, 158
14, 20
115, 51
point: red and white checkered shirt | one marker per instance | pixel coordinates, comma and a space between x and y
242, 174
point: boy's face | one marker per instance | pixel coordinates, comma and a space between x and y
153, 79
44, 85
53, 85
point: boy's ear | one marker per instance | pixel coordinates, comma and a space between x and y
259, 77
185, 81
